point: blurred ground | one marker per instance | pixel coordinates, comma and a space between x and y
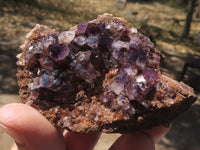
153, 18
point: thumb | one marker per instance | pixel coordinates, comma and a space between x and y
29, 129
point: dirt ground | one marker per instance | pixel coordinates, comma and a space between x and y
16, 22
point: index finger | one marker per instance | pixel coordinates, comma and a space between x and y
29, 128
81, 141
156, 133
141, 140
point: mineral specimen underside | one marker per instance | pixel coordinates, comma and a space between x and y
99, 75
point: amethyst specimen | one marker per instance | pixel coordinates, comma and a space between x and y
100, 75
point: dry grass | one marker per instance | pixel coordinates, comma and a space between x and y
162, 27
77, 11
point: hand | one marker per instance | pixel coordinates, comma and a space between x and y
32, 131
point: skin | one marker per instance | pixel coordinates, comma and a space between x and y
32, 131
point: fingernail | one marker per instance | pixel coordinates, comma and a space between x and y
2, 126
11, 132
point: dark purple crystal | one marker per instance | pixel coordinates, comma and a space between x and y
55, 73
137, 55
93, 29
106, 41
81, 28
80, 40
118, 85
46, 80
135, 41
130, 70
93, 41
46, 63
125, 38
120, 54
151, 75
83, 56
85, 71
131, 90
59, 51
123, 102
56, 85
47, 41
141, 62
133, 47
101, 27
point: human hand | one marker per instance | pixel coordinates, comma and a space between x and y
32, 131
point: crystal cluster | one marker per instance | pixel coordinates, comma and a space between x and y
93, 57
101, 75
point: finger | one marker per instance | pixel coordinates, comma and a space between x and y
156, 133
30, 129
142, 140
135, 141
83, 141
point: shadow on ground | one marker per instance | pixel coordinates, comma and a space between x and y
8, 83
173, 65
185, 131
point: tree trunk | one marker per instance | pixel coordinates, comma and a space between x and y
189, 19
197, 10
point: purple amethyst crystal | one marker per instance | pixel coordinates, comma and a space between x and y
85, 71
66, 36
46, 63
94, 29
59, 51
120, 54
46, 42
136, 54
151, 75
123, 102
83, 56
120, 44
101, 27
80, 40
106, 41
82, 27
101, 75
131, 90
56, 85
104, 59
117, 87
93, 41
46, 80
141, 62
130, 70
